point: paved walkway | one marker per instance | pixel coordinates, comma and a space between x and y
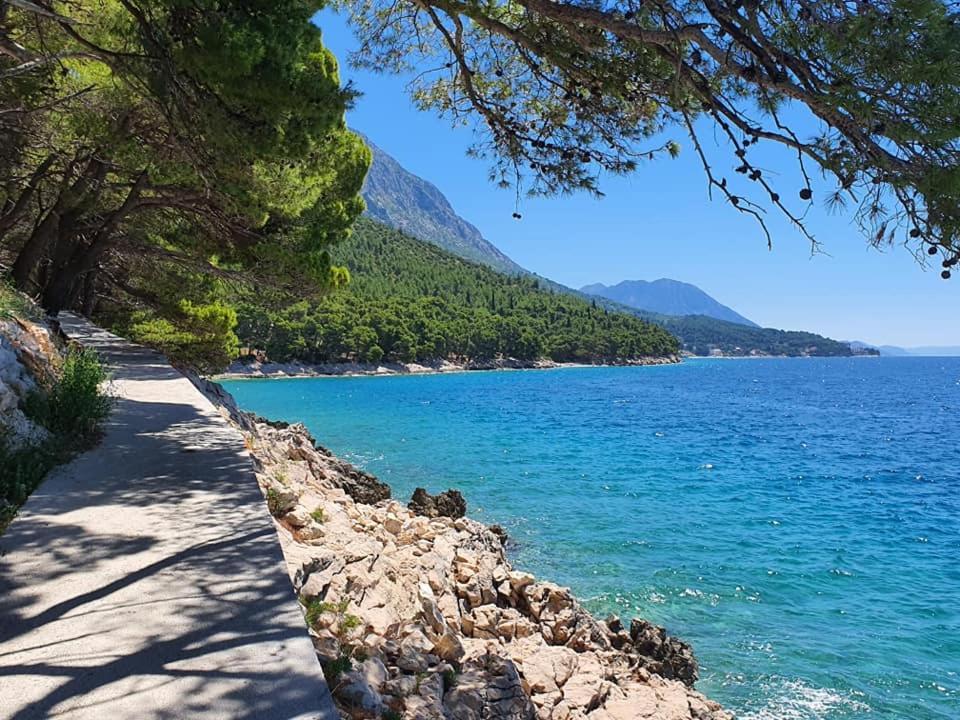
145, 579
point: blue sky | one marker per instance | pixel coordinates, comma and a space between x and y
660, 223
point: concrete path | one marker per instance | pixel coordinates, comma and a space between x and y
145, 578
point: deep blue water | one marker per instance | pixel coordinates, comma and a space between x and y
798, 521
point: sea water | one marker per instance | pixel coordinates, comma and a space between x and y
796, 520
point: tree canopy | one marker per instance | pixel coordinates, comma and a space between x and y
409, 300
560, 89
150, 140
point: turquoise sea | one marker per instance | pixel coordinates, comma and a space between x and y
796, 520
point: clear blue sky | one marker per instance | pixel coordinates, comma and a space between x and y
659, 223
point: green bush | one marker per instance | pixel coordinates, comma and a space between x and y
71, 411
15, 304
23, 471
75, 405
333, 669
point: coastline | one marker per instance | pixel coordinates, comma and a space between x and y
415, 611
257, 370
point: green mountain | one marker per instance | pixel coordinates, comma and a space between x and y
411, 301
666, 297
400, 199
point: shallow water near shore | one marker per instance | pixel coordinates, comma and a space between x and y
796, 520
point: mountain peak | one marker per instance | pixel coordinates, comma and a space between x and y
402, 200
668, 297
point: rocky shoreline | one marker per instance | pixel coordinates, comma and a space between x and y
240, 370
422, 617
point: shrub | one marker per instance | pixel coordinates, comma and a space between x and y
449, 679
15, 304
274, 502
333, 669
71, 410
23, 471
75, 405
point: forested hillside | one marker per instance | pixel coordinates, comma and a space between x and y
408, 300
700, 335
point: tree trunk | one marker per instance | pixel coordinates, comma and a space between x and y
37, 245
34, 249
65, 285
89, 297
69, 271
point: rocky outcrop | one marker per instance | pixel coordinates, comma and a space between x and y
28, 358
449, 503
422, 616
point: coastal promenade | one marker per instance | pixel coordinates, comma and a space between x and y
144, 579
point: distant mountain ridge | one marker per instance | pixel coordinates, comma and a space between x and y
402, 200
921, 351
667, 297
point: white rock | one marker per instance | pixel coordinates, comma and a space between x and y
311, 531
298, 517
355, 693
374, 672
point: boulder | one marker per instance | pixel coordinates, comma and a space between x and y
326, 645
582, 689
310, 531
548, 669
489, 689
374, 672
280, 498
449, 503
357, 697
362, 487
663, 654
449, 647
298, 517
392, 524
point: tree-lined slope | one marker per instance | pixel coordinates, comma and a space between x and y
702, 335
409, 300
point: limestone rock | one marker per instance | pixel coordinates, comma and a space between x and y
490, 689
280, 498
27, 360
663, 654
357, 697
311, 531
298, 517
449, 503
374, 672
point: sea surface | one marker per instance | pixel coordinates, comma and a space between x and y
796, 520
